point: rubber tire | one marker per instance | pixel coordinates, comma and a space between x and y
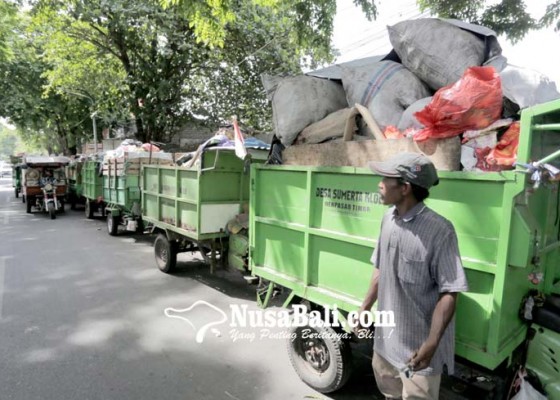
165, 253
23, 198
338, 352
72, 203
113, 224
62, 206
89, 210
140, 227
28, 205
51, 210
16, 191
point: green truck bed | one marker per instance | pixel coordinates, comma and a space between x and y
313, 230
197, 202
92, 182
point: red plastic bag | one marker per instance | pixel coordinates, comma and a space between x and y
505, 152
152, 147
392, 132
471, 103
482, 164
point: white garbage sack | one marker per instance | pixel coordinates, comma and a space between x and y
386, 88
527, 392
408, 120
524, 87
436, 51
299, 101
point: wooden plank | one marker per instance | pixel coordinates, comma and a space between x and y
445, 154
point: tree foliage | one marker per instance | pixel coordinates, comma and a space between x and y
166, 67
56, 122
162, 63
8, 20
507, 17
312, 20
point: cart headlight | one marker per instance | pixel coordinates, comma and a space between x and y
48, 187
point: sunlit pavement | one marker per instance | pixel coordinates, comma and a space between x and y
82, 317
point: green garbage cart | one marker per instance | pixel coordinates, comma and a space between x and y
16, 175
189, 207
121, 189
92, 188
313, 230
75, 186
16, 180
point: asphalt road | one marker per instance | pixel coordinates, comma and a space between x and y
82, 317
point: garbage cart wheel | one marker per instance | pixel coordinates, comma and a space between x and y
113, 224
23, 198
166, 254
321, 357
28, 205
16, 191
89, 210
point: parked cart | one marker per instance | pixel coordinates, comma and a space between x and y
190, 207
44, 184
74, 174
121, 189
16, 175
313, 230
92, 184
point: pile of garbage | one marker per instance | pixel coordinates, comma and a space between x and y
135, 149
223, 138
444, 79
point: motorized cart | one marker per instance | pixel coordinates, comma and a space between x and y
44, 184
313, 230
190, 206
121, 188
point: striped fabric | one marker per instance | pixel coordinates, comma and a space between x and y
377, 80
418, 258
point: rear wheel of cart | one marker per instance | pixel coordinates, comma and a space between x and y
113, 224
23, 198
62, 206
166, 254
28, 204
16, 191
89, 209
321, 357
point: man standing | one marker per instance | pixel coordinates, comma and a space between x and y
417, 275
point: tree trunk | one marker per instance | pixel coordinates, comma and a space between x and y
140, 132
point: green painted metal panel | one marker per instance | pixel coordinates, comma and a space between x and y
543, 358
339, 265
16, 177
285, 250
313, 229
74, 176
281, 196
122, 191
92, 182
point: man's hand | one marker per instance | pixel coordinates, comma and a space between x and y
423, 356
443, 313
